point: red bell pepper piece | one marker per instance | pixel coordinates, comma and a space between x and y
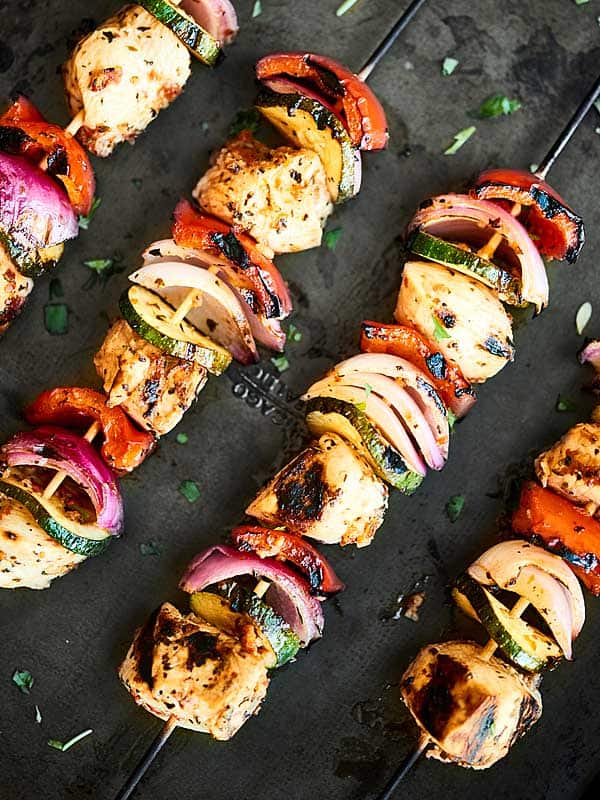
194, 228
354, 102
553, 522
23, 131
267, 543
124, 447
404, 342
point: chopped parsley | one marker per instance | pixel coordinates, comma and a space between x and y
439, 332
498, 105
280, 363
564, 404
293, 334
56, 289
102, 269
454, 507
581, 2
331, 238
257, 10
84, 221
56, 318
190, 490
63, 746
345, 7
150, 548
23, 679
38, 715
138, 183
181, 438
449, 64
362, 406
583, 316
247, 120
99, 264
451, 419
459, 139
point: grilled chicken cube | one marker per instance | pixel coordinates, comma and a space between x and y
121, 75
14, 290
464, 318
471, 708
277, 195
571, 467
328, 492
211, 681
155, 389
29, 558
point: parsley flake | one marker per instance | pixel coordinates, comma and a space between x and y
56, 318
459, 139
362, 406
99, 264
257, 10
345, 7
564, 404
454, 507
23, 679
84, 221
331, 238
497, 105
150, 548
451, 419
247, 120
64, 746
439, 332
293, 334
181, 438
38, 715
280, 363
583, 316
190, 490
449, 64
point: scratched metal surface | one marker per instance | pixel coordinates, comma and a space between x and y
331, 727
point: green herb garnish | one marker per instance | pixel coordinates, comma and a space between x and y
38, 715
56, 289
99, 264
454, 507
451, 419
459, 139
150, 548
257, 10
449, 64
247, 120
280, 363
581, 2
56, 318
439, 332
293, 334
564, 404
181, 438
345, 7
137, 182
63, 746
190, 490
362, 406
84, 221
23, 679
583, 316
331, 238
497, 105
102, 269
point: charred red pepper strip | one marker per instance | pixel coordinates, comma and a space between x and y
24, 132
399, 340
194, 228
125, 447
354, 102
268, 543
555, 523
556, 229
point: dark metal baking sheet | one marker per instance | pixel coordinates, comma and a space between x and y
331, 727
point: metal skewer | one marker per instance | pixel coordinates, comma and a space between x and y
154, 749
389, 40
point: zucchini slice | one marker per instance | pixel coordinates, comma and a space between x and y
240, 600
149, 316
31, 263
198, 41
469, 263
304, 122
86, 540
328, 414
520, 642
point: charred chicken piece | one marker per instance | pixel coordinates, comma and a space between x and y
211, 681
328, 492
471, 708
155, 389
14, 290
277, 195
29, 558
121, 75
571, 467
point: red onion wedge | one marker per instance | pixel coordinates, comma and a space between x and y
460, 218
379, 412
217, 17
34, 211
416, 384
542, 578
289, 594
590, 354
218, 313
59, 449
